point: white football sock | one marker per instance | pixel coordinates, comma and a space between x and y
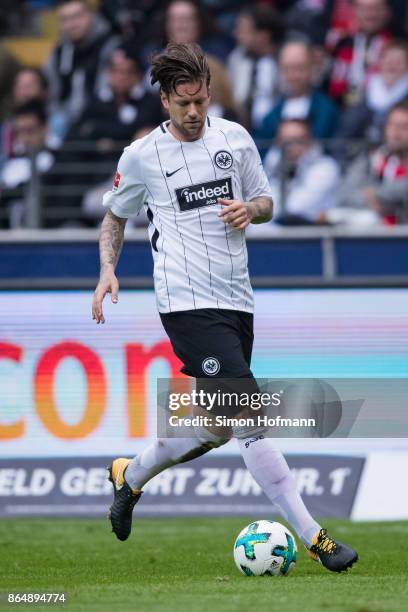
161, 454
268, 467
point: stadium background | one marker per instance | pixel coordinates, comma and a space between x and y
332, 300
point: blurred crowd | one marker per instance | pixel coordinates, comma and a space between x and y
322, 85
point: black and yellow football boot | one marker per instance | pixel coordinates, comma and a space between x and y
125, 498
333, 555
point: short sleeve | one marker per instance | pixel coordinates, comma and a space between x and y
254, 180
127, 195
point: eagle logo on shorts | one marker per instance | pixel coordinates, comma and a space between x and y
223, 159
211, 366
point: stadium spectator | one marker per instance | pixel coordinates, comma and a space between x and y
8, 70
13, 14
76, 66
120, 108
357, 56
93, 212
399, 10
186, 21
300, 99
310, 19
29, 84
30, 127
389, 200
91, 202
252, 64
342, 22
222, 99
384, 90
303, 179
374, 187
130, 18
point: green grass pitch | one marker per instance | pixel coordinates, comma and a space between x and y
186, 565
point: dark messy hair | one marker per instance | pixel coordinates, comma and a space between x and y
61, 3
305, 123
266, 19
400, 106
177, 64
32, 107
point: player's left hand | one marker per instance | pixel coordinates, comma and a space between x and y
235, 213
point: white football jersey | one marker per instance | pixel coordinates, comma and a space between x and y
199, 261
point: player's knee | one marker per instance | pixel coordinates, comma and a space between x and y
212, 440
204, 445
249, 430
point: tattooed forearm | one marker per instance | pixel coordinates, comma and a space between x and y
261, 209
111, 240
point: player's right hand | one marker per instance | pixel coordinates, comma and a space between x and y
107, 284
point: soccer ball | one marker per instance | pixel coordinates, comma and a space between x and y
265, 547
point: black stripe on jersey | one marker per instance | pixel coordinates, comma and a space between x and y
175, 222
201, 226
155, 238
163, 129
242, 233
208, 121
225, 225
164, 260
156, 234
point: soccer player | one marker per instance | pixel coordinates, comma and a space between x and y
202, 182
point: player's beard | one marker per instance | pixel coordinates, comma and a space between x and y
193, 134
